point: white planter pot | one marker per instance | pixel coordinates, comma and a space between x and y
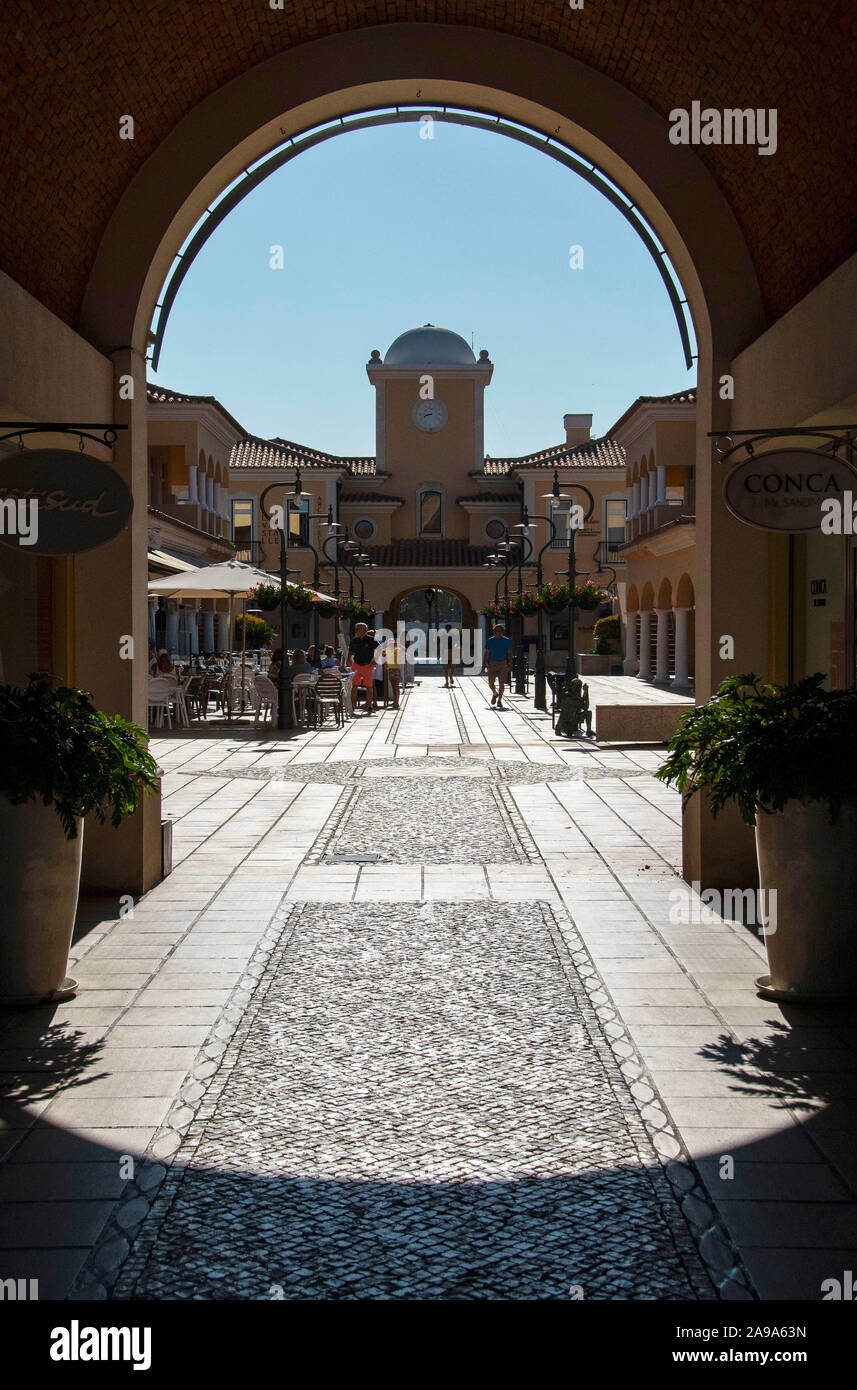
39, 885
811, 861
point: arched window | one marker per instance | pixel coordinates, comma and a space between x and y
430, 511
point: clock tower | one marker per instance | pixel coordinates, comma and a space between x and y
429, 433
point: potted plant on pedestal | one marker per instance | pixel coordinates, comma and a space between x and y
60, 760
787, 756
598, 660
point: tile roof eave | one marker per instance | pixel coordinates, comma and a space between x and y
160, 395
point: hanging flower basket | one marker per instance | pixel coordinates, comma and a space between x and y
499, 611
526, 604
552, 597
300, 598
354, 610
266, 596
588, 596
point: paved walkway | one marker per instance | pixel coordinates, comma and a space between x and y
412, 1011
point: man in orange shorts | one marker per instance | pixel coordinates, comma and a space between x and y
361, 655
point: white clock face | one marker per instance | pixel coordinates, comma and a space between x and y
430, 416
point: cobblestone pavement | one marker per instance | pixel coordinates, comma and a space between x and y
438, 821
421, 1105
502, 1071
500, 771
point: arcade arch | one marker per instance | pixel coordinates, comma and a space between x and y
513, 78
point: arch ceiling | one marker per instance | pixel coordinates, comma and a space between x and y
66, 168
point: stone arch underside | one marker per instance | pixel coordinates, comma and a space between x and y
492, 72
684, 597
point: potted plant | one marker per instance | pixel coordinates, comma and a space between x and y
597, 661
259, 633
60, 759
606, 631
787, 756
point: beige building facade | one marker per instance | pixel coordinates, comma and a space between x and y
430, 509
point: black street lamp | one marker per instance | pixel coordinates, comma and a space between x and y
540, 682
430, 596
557, 495
284, 681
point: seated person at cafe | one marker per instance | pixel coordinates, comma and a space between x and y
299, 665
328, 661
276, 662
165, 665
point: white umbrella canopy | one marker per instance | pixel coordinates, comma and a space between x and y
230, 579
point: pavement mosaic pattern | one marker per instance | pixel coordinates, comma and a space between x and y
458, 822
420, 1104
498, 770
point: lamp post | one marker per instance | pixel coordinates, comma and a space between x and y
557, 495
430, 596
284, 680
516, 545
540, 683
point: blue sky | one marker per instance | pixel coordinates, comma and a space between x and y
383, 231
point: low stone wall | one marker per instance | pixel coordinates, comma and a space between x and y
649, 723
594, 664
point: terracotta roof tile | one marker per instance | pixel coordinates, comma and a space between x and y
162, 395
352, 497
429, 552
511, 498
687, 397
252, 452
595, 453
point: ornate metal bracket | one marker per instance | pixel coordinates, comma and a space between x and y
109, 433
725, 445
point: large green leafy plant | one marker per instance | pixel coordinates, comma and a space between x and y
57, 747
763, 745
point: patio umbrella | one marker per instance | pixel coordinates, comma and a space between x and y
230, 579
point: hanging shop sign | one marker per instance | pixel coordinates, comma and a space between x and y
60, 502
784, 490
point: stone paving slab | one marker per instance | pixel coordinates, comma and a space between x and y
590, 839
404, 1139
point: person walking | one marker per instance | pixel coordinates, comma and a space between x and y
393, 658
361, 656
497, 659
452, 655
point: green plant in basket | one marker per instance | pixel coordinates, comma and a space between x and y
55, 746
763, 745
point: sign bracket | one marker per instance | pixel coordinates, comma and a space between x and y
109, 433
724, 440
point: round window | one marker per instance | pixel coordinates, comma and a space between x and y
495, 529
364, 529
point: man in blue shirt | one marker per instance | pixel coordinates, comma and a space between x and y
497, 659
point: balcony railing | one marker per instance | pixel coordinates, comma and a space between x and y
249, 554
610, 553
664, 514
